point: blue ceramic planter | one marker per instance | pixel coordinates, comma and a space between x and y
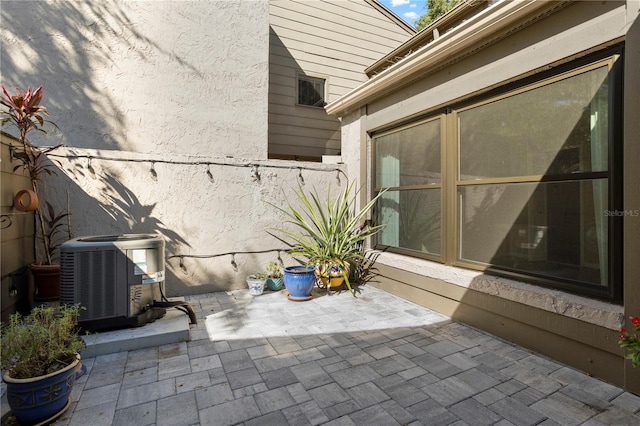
299, 281
42, 398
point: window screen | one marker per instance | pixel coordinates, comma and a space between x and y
311, 91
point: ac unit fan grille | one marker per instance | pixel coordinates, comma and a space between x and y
94, 286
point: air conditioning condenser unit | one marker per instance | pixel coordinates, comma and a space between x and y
119, 279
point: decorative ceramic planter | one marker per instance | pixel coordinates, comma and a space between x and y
256, 285
41, 399
299, 281
336, 279
333, 275
274, 284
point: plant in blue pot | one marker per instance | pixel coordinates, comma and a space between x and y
299, 281
40, 356
329, 232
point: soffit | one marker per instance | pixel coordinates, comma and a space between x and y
491, 25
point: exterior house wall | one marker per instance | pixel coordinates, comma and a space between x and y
332, 40
162, 108
579, 331
16, 235
159, 77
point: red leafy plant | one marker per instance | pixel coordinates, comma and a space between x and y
27, 114
630, 340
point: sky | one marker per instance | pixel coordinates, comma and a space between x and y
409, 10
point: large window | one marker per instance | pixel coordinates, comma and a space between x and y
528, 187
408, 164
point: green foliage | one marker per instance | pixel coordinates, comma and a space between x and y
331, 232
275, 269
258, 276
631, 342
54, 225
43, 342
26, 114
435, 9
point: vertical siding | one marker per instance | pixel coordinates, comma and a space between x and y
335, 40
17, 234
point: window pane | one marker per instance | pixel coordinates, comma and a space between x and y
559, 128
557, 229
311, 91
412, 220
410, 156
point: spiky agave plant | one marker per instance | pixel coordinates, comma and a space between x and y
331, 232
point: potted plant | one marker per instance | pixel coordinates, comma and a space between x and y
256, 283
299, 281
26, 114
329, 234
274, 280
40, 359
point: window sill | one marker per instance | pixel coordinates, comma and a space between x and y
581, 308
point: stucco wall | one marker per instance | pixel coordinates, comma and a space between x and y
160, 77
205, 220
181, 86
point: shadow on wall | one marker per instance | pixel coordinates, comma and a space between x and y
214, 229
554, 229
296, 132
118, 210
64, 47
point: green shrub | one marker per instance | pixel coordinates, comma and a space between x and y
40, 343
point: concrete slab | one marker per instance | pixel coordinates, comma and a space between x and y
172, 328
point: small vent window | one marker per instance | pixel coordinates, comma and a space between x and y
311, 91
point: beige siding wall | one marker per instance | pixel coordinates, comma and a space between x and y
16, 235
334, 40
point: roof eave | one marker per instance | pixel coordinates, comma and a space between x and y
493, 22
427, 34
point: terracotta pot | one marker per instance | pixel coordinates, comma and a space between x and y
47, 281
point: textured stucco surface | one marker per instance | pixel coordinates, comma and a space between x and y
197, 216
169, 84
149, 77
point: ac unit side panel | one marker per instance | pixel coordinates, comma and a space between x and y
142, 297
67, 278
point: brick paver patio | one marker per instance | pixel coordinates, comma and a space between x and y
336, 360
